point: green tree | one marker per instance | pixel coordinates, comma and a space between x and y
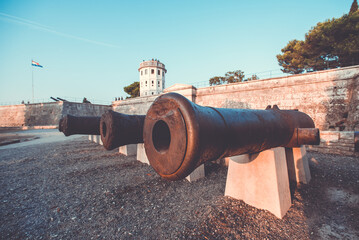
133, 89
230, 77
234, 76
254, 77
216, 81
292, 59
331, 44
354, 7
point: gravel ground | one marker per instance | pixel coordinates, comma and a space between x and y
75, 189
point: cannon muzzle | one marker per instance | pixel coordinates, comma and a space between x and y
70, 125
180, 135
119, 129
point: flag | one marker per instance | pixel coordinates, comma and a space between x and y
36, 64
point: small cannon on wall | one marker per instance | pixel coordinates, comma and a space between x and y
179, 135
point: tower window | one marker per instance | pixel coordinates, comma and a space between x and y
163, 73
152, 93
152, 71
141, 72
146, 83
158, 72
152, 83
146, 71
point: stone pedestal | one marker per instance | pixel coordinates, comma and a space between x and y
196, 174
97, 139
141, 154
298, 165
260, 180
128, 150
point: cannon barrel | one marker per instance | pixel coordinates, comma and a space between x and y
180, 135
70, 125
118, 129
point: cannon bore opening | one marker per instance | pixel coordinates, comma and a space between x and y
104, 129
161, 136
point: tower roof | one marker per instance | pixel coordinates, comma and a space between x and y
152, 63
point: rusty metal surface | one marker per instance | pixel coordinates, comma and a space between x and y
356, 141
180, 135
119, 129
70, 125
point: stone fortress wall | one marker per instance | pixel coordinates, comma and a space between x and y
46, 114
330, 97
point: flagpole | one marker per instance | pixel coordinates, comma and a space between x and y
32, 78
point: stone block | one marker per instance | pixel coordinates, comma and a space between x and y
128, 150
298, 165
97, 139
260, 180
347, 135
329, 136
198, 173
141, 154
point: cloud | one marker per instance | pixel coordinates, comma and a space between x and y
48, 29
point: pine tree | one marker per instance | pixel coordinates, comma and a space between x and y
354, 7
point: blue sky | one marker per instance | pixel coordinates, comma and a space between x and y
93, 48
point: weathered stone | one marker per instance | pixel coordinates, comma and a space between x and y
128, 150
260, 180
198, 173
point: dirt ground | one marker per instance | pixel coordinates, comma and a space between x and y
75, 189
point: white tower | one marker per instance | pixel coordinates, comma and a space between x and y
152, 77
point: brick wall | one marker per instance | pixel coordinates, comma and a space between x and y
336, 142
138, 106
46, 114
330, 97
12, 115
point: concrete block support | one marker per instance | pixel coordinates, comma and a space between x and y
128, 150
97, 139
141, 154
298, 165
260, 180
198, 173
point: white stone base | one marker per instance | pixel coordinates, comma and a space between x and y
260, 180
141, 154
298, 165
128, 150
96, 139
196, 174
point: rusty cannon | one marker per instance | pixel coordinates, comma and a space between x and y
70, 125
179, 135
118, 129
